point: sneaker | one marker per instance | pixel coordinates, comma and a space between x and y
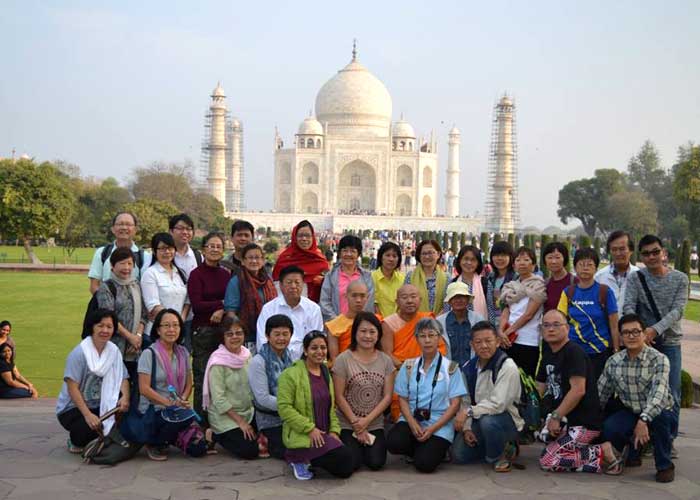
301, 471
263, 452
74, 449
666, 475
156, 453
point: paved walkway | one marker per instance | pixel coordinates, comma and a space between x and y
35, 465
690, 349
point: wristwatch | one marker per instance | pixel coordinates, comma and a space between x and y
555, 415
470, 412
645, 418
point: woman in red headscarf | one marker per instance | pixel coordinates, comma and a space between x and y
303, 252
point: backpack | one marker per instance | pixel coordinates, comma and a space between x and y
529, 403
94, 305
198, 256
138, 256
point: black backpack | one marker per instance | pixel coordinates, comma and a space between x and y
93, 305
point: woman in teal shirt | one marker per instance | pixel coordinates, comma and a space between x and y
227, 397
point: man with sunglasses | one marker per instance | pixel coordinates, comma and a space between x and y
658, 295
638, 375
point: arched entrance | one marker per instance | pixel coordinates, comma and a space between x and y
356, 188
309, 203
403, 205
427, 206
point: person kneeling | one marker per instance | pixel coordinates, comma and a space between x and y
491, 422
306, 405
567, 383
425, 429
227, 397
639, 376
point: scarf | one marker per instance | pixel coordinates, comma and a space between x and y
479, 301
274, 365
108, 366
533, 288
418, 279
134, 290
312, 261
251, 303
177, 380
222, 357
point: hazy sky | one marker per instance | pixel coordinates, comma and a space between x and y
114, 86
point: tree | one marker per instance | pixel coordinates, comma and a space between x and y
169, 182
645, 169
484, 244
205, 211
455, 242
685, 258
634, 211
584, 241
586, 199
544, 240
686, 187
35, 201
153, 218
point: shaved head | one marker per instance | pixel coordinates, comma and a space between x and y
406, 290
357, 295
408, 300
356, 286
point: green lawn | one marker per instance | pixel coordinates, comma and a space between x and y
46, 311
14, 254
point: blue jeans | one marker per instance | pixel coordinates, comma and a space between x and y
673, 353
15, 393
492, 433
618, 428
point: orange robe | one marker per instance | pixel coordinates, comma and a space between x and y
341, 328
406, 346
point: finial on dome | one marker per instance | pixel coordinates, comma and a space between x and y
354, 49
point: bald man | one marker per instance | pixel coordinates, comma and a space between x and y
339, 329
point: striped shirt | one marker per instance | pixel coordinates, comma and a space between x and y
641, 383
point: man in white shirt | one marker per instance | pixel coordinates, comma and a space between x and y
614, 275
124, 228
186, 259
304, 313
182, 230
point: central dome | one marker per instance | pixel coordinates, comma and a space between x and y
355, 102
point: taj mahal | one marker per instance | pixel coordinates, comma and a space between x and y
349, 166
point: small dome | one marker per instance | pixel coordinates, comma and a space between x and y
455, 131
310, 126
235, 123
506, 101
403, 129
218, 91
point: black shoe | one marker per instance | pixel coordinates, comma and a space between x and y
634, 462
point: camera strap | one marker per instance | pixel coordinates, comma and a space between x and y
436, 375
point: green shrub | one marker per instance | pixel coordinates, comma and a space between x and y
687, 390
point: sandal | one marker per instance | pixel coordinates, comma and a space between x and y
211, 445
617, 466
502, 465
511, 450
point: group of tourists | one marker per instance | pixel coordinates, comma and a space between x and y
333, 368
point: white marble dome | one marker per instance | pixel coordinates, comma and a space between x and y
310, 126
403, 129
355, 102
454, 131
218, 91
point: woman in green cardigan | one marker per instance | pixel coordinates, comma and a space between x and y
306, 405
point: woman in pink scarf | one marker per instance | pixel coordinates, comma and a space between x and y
468, 265
226, 393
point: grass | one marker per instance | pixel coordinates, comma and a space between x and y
46, 311
14, 254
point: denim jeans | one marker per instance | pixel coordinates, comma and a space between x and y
492, 433
673, 353
618, 428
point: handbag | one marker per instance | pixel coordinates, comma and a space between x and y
140, 427
110, 449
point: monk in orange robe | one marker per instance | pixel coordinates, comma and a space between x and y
398, 333
339, 329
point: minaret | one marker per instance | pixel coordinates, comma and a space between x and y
234, 166
452, 191
502, 206
216, 147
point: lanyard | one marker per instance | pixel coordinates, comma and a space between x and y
435, 380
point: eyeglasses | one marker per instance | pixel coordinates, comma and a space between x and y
235, 333
426, 336
650, 253
304, 236
552, 326
214, 247
165, 249
125, 224
254, 257
184, 229
170, 325
631, 333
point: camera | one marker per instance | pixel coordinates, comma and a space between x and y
421, 414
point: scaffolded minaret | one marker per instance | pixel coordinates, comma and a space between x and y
235, 201
452, 191
502, 205
216, 145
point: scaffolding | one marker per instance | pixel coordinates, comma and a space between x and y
502, 201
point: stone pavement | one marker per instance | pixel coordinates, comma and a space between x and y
35, 465
690, 349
